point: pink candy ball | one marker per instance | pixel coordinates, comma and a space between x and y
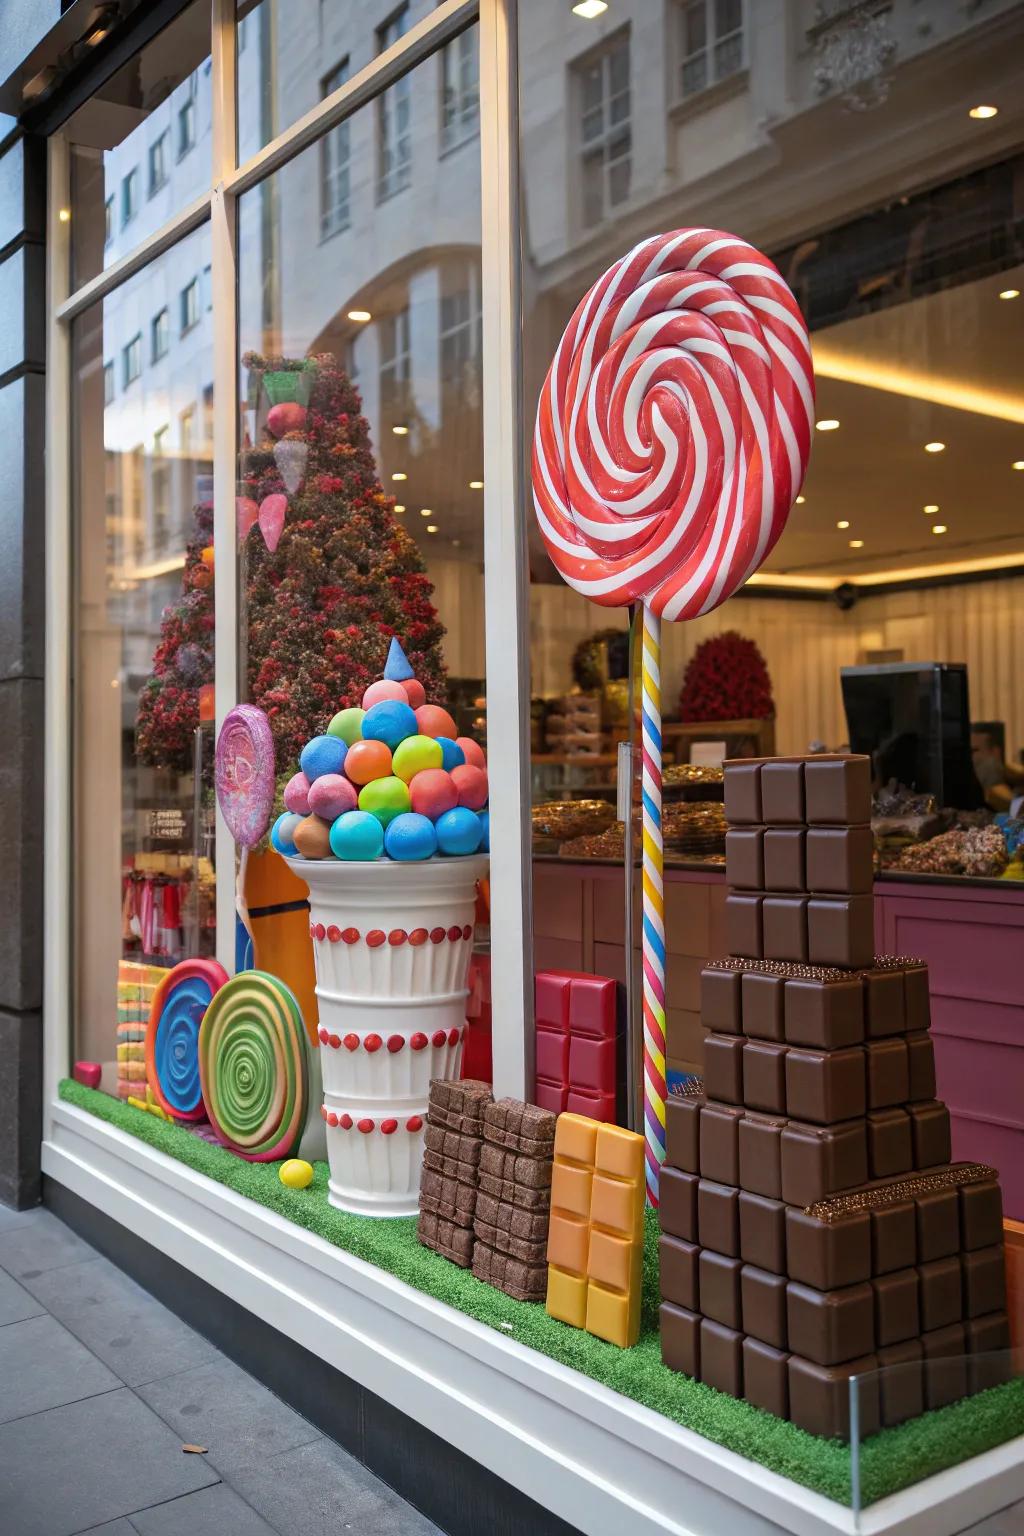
470, 785
296, 795
432, 720
379, 693
472, 751
289, 416
331, 795
415, 692
432, 792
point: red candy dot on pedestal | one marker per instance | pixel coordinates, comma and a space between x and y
334, 933
436, 935
414, 1123
323, 1036
320, 931
323, 1111
395, 1043
375, 938
351, 1042
418, 1041
397, 936
454, 933
312, 930
373, 1043
345, 1121
418, 936
453, 1037
438, 1037
350, 935
389, 1127
332, 1120
467, 931
366, 1126
335, 1041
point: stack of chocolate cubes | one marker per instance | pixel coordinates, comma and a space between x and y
451, 1156
513, 1203
813, 1227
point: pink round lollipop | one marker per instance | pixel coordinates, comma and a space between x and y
472, 751
414, 692
379, 693
244, 773
330, 796
470, 785
296, 795
432, 792
674, 426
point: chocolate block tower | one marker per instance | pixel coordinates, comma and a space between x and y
451, 1158
813, 1227
513, 1202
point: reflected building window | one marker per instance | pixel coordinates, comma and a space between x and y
394, 119
187, 122
395, 365
160, 335
186, 428
335, 173
460, 99
158, 157
161, 486
606, 142
108, 383
108, 221
190, 306
711, 43
461, 333
129, 196
131, 361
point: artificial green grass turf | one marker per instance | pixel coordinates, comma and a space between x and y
890, 1460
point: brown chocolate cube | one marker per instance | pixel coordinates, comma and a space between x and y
763, 1296
827, 1255
459, 1106
720, 1000
762, 998
901, 1381
744, 858
938, 1226
945, 1369
893, 1238
782, 791
784, 861
720, 1287
764, 1076
765, 1377
981, 1215
682, 1132
819, 1396
677, 1207
718, 1220
452, 1241
678, 1262
840, 860
930, 1128
762, 1232
825, 1086
825, 1015
523, 1282
896, 1311
884, 1011
921, 1066
984, 1281
818, 1161
987, 1341
721, 1357
680, 1339
723, 1068
520, 1127
719, 1143
784, 927
830, 1327
889, 1148
887, 1074
742, 791
743, 926
916, 997
941, 1291
841, 931
837, 791
760, 1155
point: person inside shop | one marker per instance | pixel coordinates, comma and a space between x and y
1001, 782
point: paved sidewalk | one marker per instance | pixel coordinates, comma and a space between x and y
100, 1386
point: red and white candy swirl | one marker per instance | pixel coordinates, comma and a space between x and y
674, 426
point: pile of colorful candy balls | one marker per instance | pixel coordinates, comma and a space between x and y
390, 779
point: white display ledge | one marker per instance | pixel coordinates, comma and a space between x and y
603, 1463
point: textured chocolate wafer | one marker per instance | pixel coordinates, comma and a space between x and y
446, 1238
458, 1106
512, 1176
442, 1194
520, 1127
521, 1281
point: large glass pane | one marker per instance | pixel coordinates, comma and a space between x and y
143, 658
140, 148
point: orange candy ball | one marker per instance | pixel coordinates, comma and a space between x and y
433, 792
432, 720
415, 692
472, 751
367, 760
470, 786
313, 838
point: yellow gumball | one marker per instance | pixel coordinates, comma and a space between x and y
414, 754
296, 1173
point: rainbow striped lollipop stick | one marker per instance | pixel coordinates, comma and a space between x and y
653, 942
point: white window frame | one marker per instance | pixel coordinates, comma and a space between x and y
708, 55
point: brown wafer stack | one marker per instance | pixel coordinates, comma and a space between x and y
451, 1157
514, 1198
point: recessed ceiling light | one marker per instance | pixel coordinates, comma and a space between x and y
431, 527
400, 431
828, 425
1010, 293
590, 9
856, 543
982, 112
1017, 464
800, 500
844, 522
399, 507
932, 506
456, 543
476, 485
399, 474
938, 527
426, 511
934, 447
360, 316
64, 215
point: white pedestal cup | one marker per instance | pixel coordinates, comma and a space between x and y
392, 944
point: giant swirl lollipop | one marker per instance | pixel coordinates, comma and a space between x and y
672, 437
172, 1036
254, 1068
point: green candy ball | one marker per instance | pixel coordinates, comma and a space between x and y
416, 753
348, 725
385, 798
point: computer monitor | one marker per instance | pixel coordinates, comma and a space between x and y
913, 718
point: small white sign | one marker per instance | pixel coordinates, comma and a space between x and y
707, 754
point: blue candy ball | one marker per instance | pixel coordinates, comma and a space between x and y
409, 837
324, 754
458, 831
282, 834
452, 755
484, 817
390, 722
357, 835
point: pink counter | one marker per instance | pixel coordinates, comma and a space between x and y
970, 934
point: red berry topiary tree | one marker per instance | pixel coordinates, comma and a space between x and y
726, 679
168, 710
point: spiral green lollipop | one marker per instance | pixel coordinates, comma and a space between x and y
253, 1067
